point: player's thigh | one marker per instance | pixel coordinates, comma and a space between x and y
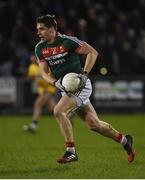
66, 104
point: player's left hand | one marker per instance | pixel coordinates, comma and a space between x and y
83, 77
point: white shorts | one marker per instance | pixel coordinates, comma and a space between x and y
82, 96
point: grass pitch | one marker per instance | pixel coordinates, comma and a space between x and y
25, 155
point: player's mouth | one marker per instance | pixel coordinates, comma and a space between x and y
42, 38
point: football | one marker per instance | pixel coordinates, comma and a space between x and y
71, 82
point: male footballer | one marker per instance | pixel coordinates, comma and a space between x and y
61, 53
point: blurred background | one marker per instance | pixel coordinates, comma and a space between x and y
115, 28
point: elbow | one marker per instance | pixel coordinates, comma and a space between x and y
96, 53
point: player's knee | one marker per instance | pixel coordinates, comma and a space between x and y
57, 112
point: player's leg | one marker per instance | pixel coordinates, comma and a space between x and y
88, 114
50, 102
61, 110
70, 116
37, 110
39, 103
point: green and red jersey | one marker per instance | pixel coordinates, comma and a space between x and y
61, 56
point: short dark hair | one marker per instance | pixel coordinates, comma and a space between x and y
48, 20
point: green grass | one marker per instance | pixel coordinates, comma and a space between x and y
25, 155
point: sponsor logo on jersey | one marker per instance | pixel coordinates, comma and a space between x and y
60, 61
47, 52
56, 56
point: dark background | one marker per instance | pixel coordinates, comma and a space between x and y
116, 28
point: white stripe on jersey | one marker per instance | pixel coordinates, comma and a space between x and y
73, 38
36, 48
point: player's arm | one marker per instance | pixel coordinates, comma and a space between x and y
91, 58
73, 44
48, 77
45, 73
44, 69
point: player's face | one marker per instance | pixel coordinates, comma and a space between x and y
45, 33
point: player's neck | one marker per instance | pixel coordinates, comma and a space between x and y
51, 41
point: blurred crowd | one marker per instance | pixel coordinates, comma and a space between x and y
116, 28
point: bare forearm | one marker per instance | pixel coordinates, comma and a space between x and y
90, 61
92, 55
48, 78
45, 73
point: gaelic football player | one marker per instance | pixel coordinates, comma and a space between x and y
61, 54
45, 95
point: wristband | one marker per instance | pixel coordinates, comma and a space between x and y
86, 73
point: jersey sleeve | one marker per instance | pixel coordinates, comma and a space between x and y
72, 43
38, 54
